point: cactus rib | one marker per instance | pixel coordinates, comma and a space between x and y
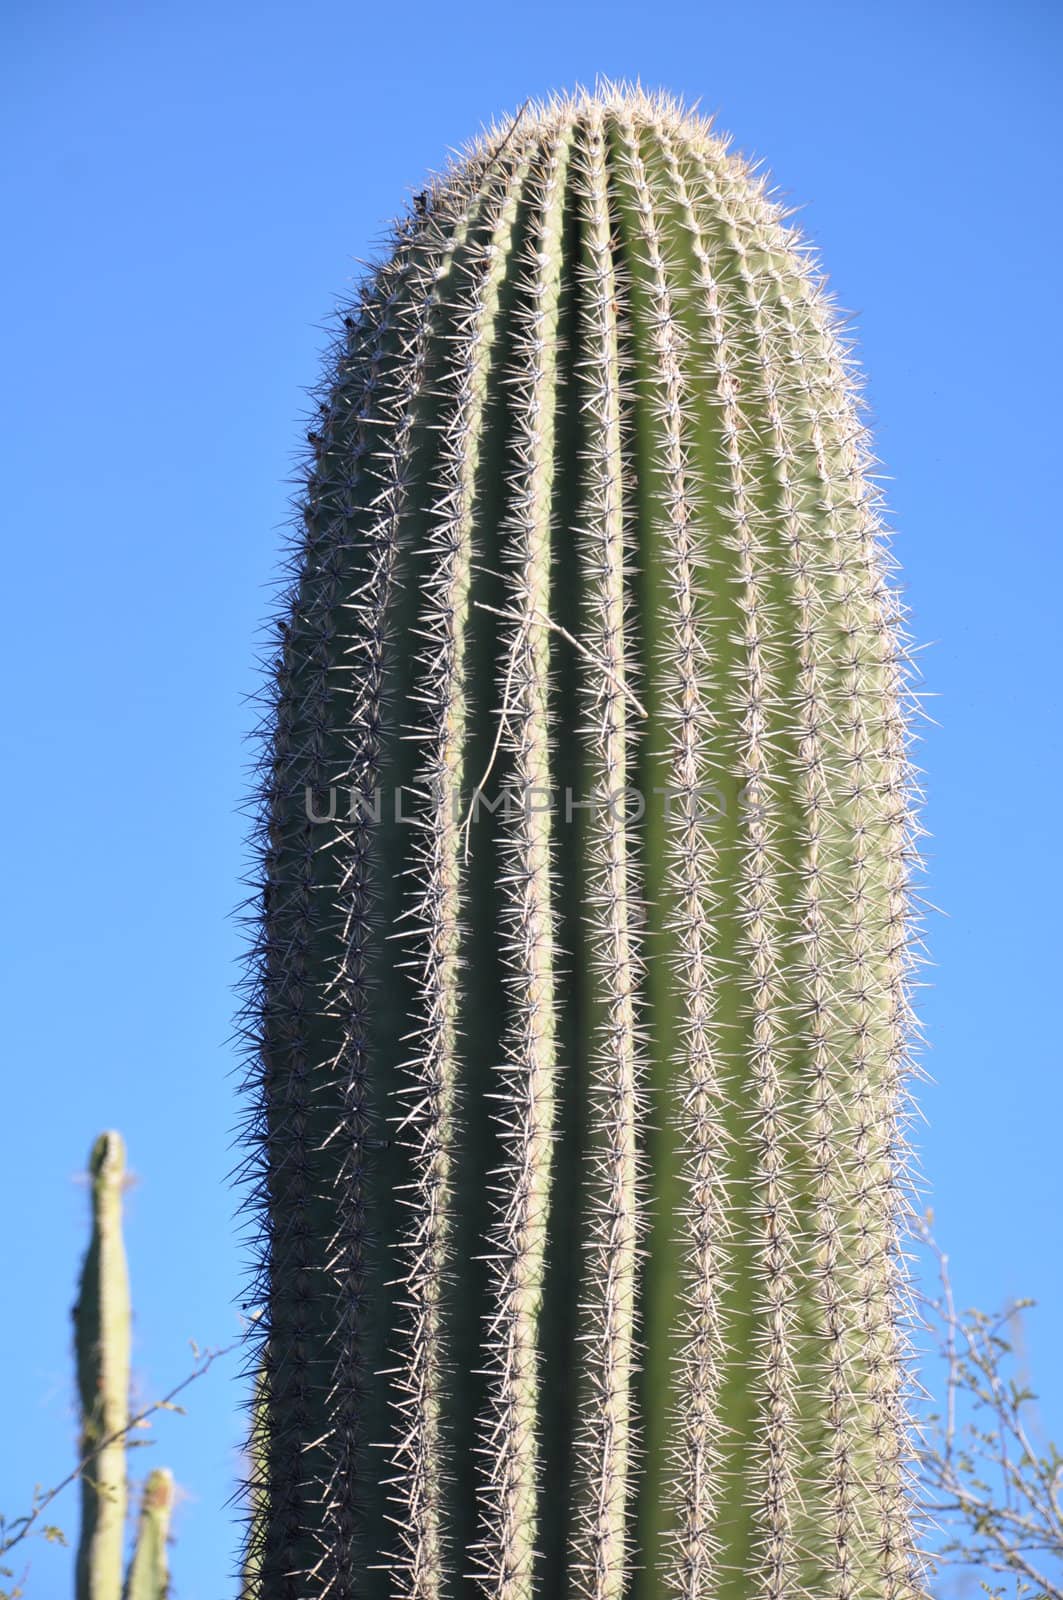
527, 1091
687, 711
602, 1549
434, 1113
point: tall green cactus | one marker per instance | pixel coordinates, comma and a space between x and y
580, 1011
102, 1343
102, 1346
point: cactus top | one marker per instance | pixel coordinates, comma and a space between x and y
580, 1004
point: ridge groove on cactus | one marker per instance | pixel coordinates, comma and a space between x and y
578, 1014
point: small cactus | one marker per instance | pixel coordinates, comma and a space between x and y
102, 1344
102, 1318
579, 1009
149, 1575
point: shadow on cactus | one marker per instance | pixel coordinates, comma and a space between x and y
579, 1013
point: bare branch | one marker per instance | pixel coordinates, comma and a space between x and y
13, 1532
995, 1493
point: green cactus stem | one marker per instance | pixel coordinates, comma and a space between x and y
257, 1502
149, 1574
102, 1348
579, 1010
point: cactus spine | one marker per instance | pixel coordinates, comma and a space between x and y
102, 1341
579, 1007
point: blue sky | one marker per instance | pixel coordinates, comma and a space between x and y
193, 187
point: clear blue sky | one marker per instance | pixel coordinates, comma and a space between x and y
191, 188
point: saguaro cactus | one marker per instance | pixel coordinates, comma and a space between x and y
148, 1577
579, 1011
102, 1345
102, 1341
